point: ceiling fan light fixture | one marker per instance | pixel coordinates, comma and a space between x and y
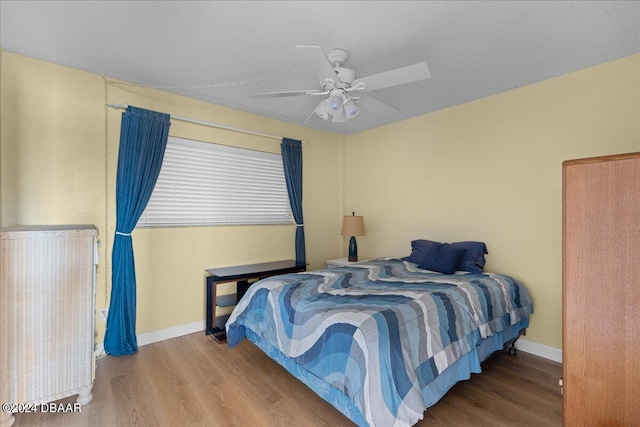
334, 105
351, 109
321, 111
340, 117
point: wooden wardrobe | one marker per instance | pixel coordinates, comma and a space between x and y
601, 291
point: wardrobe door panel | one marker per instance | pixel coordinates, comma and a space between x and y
601, 291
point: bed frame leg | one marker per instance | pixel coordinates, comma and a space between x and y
510, 345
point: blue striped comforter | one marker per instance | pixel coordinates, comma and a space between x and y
379, 331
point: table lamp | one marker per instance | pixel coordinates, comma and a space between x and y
353, 226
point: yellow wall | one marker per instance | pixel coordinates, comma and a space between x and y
53, 172
487, 170
490, 170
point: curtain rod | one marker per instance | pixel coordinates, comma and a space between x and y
210, 124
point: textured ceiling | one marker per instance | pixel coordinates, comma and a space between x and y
223, 51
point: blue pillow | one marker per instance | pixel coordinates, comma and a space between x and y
441, 257
473, 259
418, 247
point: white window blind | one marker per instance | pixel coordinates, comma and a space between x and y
210, 184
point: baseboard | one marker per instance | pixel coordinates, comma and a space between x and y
99, 350
172, 332
161, 335
541, 350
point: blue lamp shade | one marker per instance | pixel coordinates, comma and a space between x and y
353, 226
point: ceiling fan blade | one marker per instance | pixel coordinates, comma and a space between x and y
317, 61
375, 106
399, 76
284, 94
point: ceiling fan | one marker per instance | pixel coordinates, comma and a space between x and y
341, 84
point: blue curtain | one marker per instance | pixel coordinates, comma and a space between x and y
292, 162
143, 139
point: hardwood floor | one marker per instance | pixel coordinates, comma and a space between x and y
192, 381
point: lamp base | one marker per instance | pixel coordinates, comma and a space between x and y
353, 250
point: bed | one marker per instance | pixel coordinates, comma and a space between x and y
381, 340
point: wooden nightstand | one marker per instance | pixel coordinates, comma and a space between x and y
341, 262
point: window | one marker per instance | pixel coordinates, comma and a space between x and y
210, 184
